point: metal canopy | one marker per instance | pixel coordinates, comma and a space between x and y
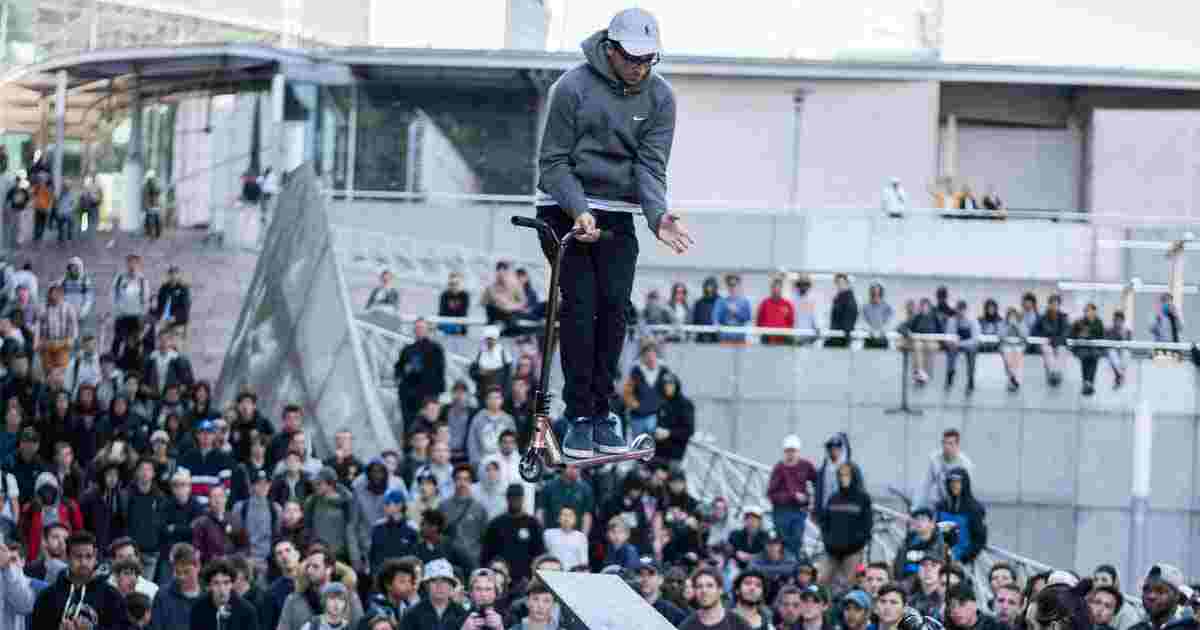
219, 63
333, 66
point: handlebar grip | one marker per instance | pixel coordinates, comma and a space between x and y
529, 222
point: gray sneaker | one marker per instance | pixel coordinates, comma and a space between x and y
606, 433
578, 441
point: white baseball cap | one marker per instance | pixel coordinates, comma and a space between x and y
791, 442
636, 30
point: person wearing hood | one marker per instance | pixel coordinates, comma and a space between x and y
843, 314
846, 523
923, 539
960, 507
370, 489
101, 505
79, 289
877, 314
894, 199
79, 589
489, 490
676, 420
594, 177
837, 451
702, 310
331, 517
47, 507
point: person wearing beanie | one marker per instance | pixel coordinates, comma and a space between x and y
922, 539
331, 517
391, 535
335, 609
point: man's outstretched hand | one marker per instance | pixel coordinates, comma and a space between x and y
674, 234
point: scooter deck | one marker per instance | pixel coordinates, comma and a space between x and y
607, 458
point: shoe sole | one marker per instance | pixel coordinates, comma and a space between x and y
613, 450
578, 454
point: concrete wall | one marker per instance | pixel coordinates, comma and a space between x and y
736, 145
1146, 162
1053, 468
857, 241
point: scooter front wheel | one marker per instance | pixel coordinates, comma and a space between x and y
531, 467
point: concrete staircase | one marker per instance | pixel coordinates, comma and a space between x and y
218, 278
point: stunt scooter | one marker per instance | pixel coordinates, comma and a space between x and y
544, 449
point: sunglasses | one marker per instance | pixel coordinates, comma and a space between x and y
645, 60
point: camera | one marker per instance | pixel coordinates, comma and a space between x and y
949, 531
914, 620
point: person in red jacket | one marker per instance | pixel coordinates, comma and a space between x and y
776, 311
788, 490
212, 532
47, 500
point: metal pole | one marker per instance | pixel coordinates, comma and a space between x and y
352, 140
1139, 501
60, 127
904, 408
134, 167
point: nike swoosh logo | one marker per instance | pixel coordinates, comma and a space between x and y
639, 118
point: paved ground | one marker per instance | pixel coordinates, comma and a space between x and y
218, 278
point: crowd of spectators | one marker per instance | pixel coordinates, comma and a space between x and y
875, 320
132, 499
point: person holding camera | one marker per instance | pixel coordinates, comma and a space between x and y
483, 592
961, 508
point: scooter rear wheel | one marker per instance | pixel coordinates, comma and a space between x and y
531, 467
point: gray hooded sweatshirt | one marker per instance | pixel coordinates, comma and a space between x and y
607, 141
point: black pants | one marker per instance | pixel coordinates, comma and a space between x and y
596, 281
40, 220
1089, 363
123, 326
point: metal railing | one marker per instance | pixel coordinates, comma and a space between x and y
714, 472
761, 207
754, 334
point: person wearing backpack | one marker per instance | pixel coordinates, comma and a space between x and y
16, 201
90, 199
42, 197
131, 295
256, 521
152, 204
